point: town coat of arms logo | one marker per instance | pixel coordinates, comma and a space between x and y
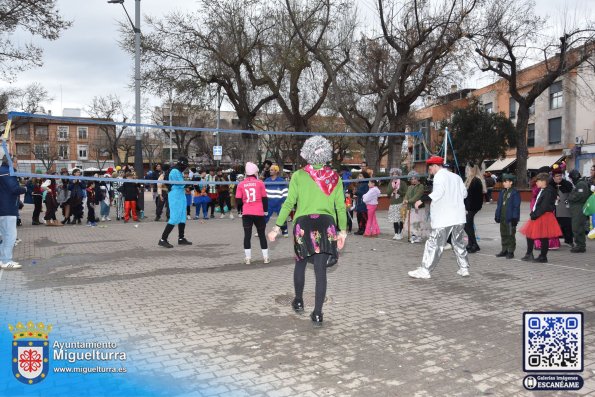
30, 352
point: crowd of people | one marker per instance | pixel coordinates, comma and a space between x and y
322, 204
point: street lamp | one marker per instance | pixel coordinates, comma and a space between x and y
138, 150
219, 102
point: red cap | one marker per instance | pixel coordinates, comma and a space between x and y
435, 160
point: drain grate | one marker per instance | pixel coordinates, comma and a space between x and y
285, 300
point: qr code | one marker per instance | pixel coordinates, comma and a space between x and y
552, 342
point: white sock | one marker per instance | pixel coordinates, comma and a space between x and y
265, 253
248, 253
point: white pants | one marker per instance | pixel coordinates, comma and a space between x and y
8, 231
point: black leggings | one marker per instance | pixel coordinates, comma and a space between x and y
299, 278
170, 227
544, 246
259, 222
398, 227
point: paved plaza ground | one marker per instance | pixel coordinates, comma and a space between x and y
199, 319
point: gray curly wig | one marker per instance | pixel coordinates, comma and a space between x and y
413, 174
317, 150
396, 171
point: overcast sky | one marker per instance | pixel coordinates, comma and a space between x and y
86, 61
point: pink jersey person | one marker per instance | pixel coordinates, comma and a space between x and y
251, 191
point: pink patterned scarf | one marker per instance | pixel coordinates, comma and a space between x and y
325, 178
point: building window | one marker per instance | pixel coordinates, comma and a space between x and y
556, 95
83, 132
63, 132
82, 151
22, 133
511, 108
23, 149
555, 130
63, 151
488, 107
42, 150
41, 131
531, 135
419, 151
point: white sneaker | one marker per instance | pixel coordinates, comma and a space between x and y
107, 218
420, 272
222, 216
267, 260
447, 247
256, 234
398, 236
188, 217
246, 261
103, 219
463, 272
239, 215
17, 241
415, 239
230, 215
10, 265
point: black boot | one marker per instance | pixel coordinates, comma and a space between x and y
501, 254
528, 257
316, 319
298, 305
509, 255
540, 259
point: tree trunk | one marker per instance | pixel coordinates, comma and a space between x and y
371, 152
522, 152
395, 146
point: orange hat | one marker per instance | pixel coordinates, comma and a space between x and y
435, 160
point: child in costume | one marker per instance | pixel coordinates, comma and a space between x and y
508, 213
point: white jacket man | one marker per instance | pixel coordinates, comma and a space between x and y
447, 215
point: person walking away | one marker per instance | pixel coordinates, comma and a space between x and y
543, 224
320, 221
177, 206
563, 216
10, 192
577, 199
252, 195
508, 213
473, 204
371, 200
396, 191
447, 215
490, 183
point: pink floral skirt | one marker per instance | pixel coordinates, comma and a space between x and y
315, 234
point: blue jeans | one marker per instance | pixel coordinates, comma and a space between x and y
104, 211
8, 230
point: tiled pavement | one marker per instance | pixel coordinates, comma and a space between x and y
198, 317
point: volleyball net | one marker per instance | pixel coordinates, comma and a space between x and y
45, 145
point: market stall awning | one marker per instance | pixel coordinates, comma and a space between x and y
536, 162
499, 165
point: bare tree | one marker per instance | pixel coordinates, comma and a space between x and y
152, 146
511, 36
213, 47
46, 153
183, 114
99, 151
110, 108
37, 17
419, 40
